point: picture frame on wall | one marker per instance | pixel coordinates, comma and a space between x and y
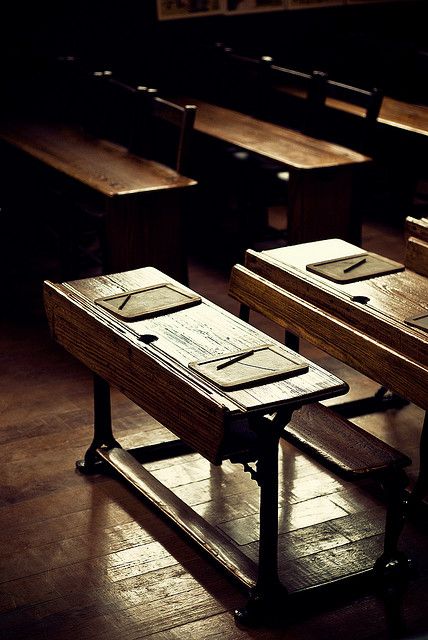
312, 4
252, 6
177, 9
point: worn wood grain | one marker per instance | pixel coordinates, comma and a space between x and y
395, 113
320, 171
416, 227
81, 327
102, 165
377, 307
417, 256
296, 150
397, 371
156, 584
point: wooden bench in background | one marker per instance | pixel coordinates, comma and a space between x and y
321, 173
141, 199
416, 232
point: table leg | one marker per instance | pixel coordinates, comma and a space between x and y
103, 433
420, 490
320, 206
393, 563
147, 230
264, 600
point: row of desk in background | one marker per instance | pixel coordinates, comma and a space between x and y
143, 198
321, 178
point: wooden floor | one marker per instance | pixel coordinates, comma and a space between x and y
83, 557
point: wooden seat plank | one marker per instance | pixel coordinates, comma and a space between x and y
342, 446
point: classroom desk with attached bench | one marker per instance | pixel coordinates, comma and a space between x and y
140, 198
222, 387
321, 173
363, 309
399, 114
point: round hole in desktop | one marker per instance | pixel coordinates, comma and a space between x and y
360, 299
147, 338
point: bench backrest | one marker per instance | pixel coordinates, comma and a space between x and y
163, 129
136, 117
349, 115
416, 256
293, 97
109, 108
232, 79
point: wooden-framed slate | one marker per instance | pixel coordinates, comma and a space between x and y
355, 268
259, 364
419, 321
148, 301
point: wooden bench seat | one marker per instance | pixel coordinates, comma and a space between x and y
356, 455
340, 445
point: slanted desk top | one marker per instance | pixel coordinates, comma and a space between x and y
377, 310
148, 359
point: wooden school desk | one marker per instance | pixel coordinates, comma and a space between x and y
407, 116
398, 114
321, 173
365, 323
151, 359
141, 198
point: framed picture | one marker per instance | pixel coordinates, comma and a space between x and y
175, 9
368, 1
251, 6
312, 4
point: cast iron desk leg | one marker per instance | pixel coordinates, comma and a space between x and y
264, 600
103, 433
420, 490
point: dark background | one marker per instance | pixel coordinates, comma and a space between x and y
382, 44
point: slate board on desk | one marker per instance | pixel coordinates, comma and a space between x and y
262, 363
337, 269
148, 301
420, 321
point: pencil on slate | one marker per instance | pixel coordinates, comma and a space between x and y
123, 303
354, 265
237, 358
